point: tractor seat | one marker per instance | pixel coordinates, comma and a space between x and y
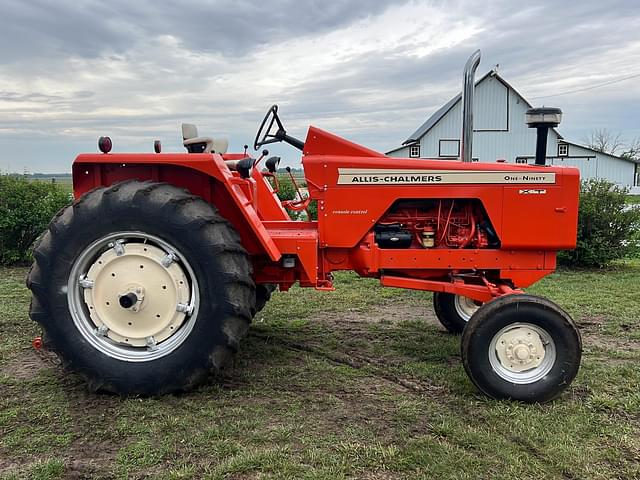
195, 144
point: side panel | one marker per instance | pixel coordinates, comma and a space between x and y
270, 207
534, 216
352, 195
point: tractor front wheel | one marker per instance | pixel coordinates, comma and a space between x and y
141, 288
521, 347
454, 311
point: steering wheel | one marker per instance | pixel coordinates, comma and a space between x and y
271, 117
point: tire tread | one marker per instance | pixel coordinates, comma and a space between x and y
215, 233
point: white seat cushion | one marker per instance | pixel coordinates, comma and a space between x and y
190, 137
189, 130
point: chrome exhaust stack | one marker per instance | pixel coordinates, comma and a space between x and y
468, 86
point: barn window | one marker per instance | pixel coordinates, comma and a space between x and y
521, 160
414, 151
563, 150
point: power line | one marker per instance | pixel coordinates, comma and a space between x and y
610, 82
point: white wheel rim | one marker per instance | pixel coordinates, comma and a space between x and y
522, 353
465, 307
132, 296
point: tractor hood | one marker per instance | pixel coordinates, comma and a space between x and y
319, 142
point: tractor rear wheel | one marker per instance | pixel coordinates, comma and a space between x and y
521, 347
263, 294
141, 288
454, 311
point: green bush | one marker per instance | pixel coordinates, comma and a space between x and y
607, 226
26, 207
288, 192
313, 209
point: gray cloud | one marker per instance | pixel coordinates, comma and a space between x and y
89, 28
372, 71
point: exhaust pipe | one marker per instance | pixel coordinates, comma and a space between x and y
468, 86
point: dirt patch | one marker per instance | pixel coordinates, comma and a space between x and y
356, 325
390, 314
8, 466
593, 338
88, 460
376, 366
29, 364
593, 323
85, 457
592, 341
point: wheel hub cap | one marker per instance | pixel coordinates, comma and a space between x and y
522, 353
136, 294
520, 349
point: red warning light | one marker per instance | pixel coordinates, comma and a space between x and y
105, 144
37, 343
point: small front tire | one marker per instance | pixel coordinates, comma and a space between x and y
521, 347
454, 311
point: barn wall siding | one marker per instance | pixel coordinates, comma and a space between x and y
402, 153
491, 105
616, 171
598, 165
588, 166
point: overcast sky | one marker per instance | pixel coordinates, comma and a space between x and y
371, 71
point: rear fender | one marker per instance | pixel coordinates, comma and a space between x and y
204, 175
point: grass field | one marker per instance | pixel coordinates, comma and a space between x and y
357, 383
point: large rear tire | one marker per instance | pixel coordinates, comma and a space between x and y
454, 311
263, 294
521, 347
141, 288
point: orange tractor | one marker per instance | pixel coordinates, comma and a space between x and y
150, 279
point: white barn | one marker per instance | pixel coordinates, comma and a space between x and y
500, 132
